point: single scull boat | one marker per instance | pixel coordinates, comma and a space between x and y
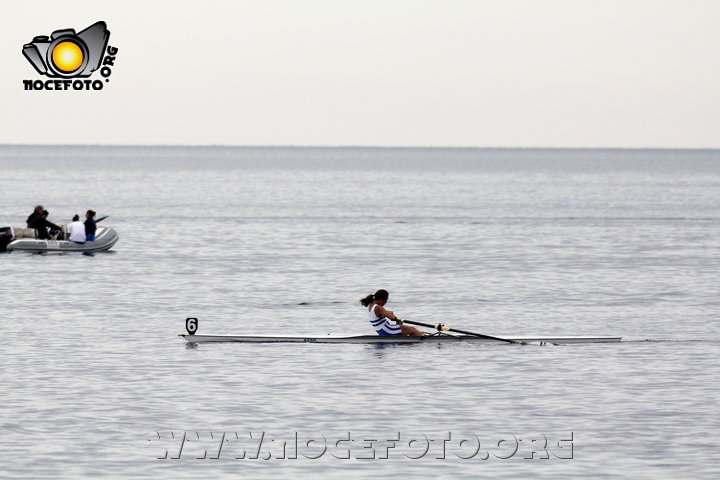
192, 337
387, 339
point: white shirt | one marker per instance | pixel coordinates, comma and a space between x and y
383, 325
77, 232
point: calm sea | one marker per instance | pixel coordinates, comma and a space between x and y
95, 382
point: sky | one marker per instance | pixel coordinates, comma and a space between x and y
483, 73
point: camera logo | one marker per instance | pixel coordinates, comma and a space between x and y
67, 54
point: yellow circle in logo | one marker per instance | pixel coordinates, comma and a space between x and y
67, 56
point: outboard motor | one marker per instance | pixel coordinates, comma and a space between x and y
6, 236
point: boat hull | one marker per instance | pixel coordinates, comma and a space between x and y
377, 339
105, 239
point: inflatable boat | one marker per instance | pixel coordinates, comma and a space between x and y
24, 239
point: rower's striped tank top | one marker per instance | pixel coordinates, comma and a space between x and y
382, 325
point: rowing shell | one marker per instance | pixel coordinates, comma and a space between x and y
387, 339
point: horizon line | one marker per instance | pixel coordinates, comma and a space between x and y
439, 147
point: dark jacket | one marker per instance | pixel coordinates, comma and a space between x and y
31, 219
90, 226
40, 223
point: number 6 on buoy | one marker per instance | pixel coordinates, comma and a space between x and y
191, 325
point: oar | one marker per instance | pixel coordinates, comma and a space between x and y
440, 327
101, 219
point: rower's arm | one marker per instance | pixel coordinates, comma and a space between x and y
382, 312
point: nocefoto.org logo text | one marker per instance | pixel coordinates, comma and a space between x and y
68, 58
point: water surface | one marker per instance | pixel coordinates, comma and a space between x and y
96, 382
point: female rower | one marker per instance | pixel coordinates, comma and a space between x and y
380, 318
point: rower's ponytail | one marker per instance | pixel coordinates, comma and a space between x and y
367, 300
379, 295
